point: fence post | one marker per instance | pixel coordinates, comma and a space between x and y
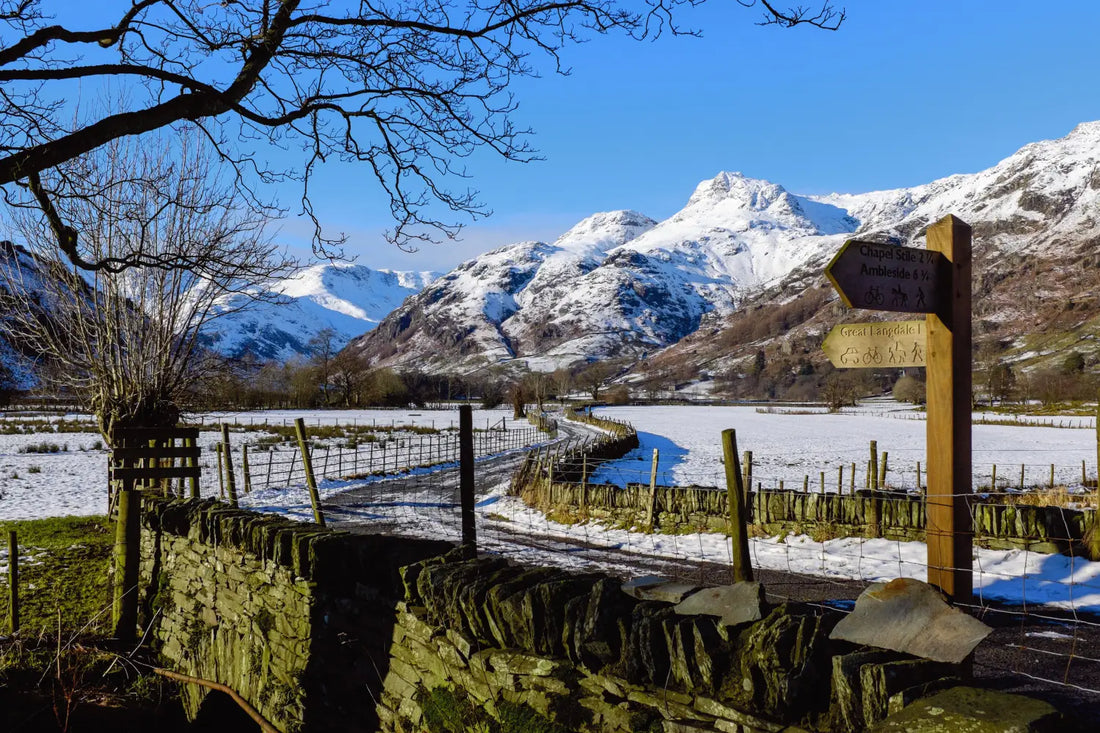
822, 482
1052, 475
872, 481
13, 582
918, 475
840, 479
735, 491
993, 478
245, 468
1021, 477
1094, 545
584, 481
127, 536
882, 470
466, 474
874, 528
748, 470
652, 493
852, 480
221, 471
192, 463
307, 465
230, 479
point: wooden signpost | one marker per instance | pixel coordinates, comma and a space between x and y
934, 281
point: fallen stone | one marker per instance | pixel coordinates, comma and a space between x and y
655, 588
974, 711
734, 604
907, 615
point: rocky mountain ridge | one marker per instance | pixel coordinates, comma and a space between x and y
740, 245
349, 299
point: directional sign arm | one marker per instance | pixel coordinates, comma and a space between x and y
886, 277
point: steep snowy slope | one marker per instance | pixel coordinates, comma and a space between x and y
1045, 189
350, 299
735, 235
735, 241
460, 317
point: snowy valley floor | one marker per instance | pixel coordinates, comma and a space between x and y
71, 482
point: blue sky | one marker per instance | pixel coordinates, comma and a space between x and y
904, 93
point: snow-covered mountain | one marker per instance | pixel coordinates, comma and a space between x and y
618, 284
1036, 267
349, 299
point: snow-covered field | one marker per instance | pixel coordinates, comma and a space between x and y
785, 446
73, 480
788, 444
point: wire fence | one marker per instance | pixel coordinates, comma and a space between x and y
266, 456
905, 471
1032, 575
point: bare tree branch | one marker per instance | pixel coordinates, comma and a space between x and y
164, 246
410, 88
826, 17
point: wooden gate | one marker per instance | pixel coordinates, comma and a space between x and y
153, 457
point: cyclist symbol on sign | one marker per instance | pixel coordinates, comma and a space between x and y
874, 296
872, 356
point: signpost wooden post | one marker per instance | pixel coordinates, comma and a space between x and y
948, 527
934, 281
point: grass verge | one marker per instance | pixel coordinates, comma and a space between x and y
63, 564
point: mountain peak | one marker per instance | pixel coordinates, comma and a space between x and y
605, 230
753, 193
1086, 129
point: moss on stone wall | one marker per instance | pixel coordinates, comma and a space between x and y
265, 605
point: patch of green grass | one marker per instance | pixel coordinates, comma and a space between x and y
68, 575
44, 447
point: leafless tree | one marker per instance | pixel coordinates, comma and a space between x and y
592, 377
129, 340
350, 374
408, 88
562, 379
323, 349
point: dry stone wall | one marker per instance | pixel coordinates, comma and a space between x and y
324, 631
296, 619
892, 515
483, 645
